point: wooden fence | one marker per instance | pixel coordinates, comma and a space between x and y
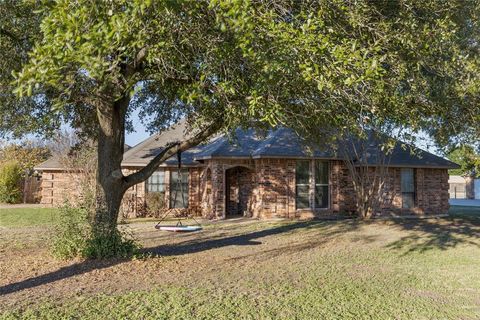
31, 190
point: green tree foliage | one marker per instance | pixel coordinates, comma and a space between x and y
468, 159
334, 65
330, 62
10, 180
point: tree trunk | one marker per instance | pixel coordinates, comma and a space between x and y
110, 180
111, 183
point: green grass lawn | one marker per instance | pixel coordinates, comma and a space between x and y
22, 217
390, 269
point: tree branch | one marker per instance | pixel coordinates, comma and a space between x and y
169, 151
135, 65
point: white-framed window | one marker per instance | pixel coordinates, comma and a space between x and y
179, 189
407, 180
302, 184
321, 184
312, 178
156, 182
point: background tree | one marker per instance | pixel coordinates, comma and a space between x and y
221, 64
468, 159
27, 154
17, 161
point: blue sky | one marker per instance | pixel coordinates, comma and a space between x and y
140, 133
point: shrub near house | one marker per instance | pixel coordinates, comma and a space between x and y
16, 163
10, 181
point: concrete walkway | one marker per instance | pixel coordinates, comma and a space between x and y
465, 202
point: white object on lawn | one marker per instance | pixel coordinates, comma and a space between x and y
179, 228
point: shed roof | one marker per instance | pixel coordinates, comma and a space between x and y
54, 164
51, 164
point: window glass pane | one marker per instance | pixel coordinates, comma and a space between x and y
321, 172
161, 181
179, 191
302, 200
321, 196
156, 182
302, 172
408, 200
408, 187
407, 178
302, 181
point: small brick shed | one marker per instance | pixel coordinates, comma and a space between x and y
265, 175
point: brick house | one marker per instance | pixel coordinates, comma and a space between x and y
265, 176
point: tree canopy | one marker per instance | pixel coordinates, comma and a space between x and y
315, 66
302, 63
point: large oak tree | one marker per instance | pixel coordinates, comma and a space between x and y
334, 65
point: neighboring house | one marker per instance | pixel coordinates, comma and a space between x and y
273, 176
464, 187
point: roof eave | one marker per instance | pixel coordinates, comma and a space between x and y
49, 169
163, 165
417, 166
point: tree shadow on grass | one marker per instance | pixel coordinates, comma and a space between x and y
424, 235
246, 239
193, 246
60, 274
438, 233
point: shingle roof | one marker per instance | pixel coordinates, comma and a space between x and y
276, 143
54, 164
142, 153
402, 155
408, 156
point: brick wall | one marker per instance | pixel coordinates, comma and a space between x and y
276, 188
266, 189
431, 187
133, 203
58, 187
240, 183
270, 190
194, 191
213, 197
134, 200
